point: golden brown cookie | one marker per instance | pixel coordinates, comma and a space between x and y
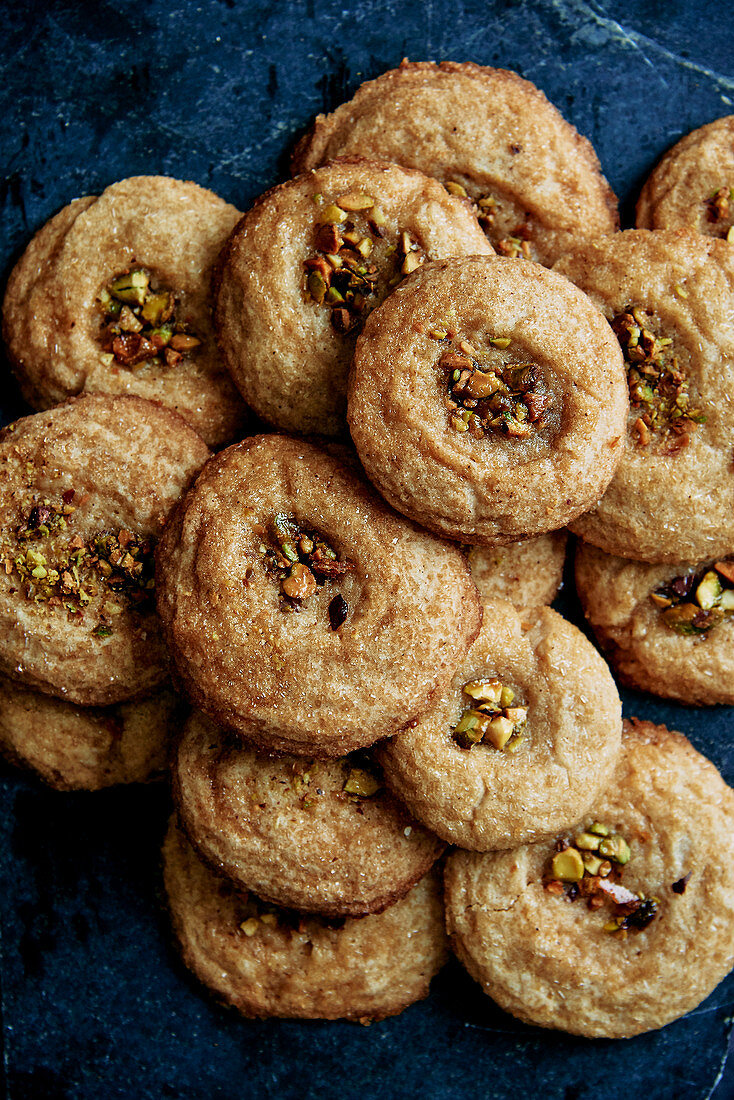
299, 609
113, 296
85, 490
669, 296
528, 573
487, 134
271, 962
667, 629
319, 836
307, 264
522, 742
633, 924
86, 748
693, 185
487, 400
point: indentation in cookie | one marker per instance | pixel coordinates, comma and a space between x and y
697, 601
303, 562
659, 389
491, 392
357, 260
144, 322
61, 570
720, 213
508, 226
491, 719
591, 867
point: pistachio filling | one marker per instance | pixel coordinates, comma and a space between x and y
508, 398
490, 718
591, 868
69, 573
141, 324
658, 388
303, 562
516, 244
720, 212
355, 264
694, 603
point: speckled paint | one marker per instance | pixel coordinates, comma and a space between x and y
95, 1003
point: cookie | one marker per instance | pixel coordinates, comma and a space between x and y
318, 836
528, 573
522, 742
486, 134
667, 629
693, 185
272, 962
633, 924
487, 400
669, 296
307, 264
86, 748
113, 296
85, 490
299, 609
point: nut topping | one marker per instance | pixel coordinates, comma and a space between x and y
492, 719
695, 603
140, 323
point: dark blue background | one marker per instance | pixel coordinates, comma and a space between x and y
94, 1000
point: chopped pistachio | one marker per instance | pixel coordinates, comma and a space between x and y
250, 926
456, 189
592, 863
568, 866
484, 690
709, 591
130, 287
599, 829
361, 783
587, 842
500, 342
332, 214
616, 848
354, 201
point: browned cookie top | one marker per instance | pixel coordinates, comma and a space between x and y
486, 134
273, 962
300, 610
668, 629
669, 296
693, 185
522, 741
488, 400
113, 296
322, 836
527, 573
85, 490
305, 267
624, 924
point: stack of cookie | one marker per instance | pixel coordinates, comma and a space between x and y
364, 635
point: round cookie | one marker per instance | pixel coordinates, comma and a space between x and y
86, 748
85, 490
528, 573
112, 296
301, 611
271, 962
487, 400
630, 955
318, 836
672, 497
306, 265
693, 185
667, 629
534, 757
487, 134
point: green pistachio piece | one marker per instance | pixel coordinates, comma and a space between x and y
680, 619
726, 603
506, 697
500, 731
592, 863
456, 189
587, 842
615, 847
486, 691
155, 307
599, 829
361, 783
709, 591
568, 866
331, 214
131, 287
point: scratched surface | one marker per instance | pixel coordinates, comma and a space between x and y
94, 1001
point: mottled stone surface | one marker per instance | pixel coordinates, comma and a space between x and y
94, 1001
